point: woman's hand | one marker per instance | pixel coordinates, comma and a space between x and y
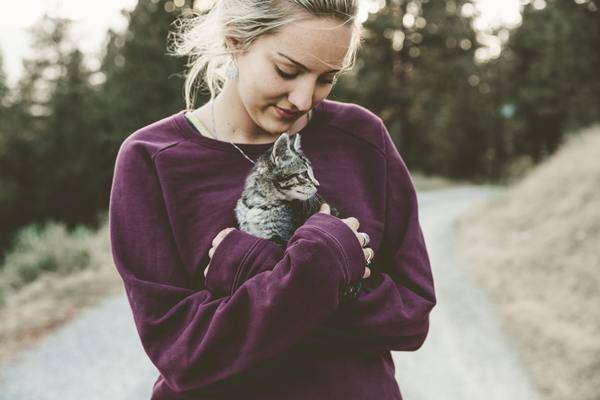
354, 224
215, 243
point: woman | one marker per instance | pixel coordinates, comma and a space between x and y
251, 322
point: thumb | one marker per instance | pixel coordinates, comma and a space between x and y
325, 208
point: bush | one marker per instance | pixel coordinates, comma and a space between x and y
48, 248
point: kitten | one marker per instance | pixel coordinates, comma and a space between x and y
280, 192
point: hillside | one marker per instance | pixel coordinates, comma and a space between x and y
536, 250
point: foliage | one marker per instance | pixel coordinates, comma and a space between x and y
450, 115
63, 126
416, 70
42, 249
552, 64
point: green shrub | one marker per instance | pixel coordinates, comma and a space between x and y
48, 248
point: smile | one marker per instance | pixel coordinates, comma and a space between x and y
285, 114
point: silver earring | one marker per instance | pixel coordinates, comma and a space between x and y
231, 72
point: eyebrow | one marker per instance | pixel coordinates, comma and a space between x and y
301, 65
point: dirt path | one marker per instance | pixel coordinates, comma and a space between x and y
465, 356
99, 355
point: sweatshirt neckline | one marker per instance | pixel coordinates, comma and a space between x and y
185, 128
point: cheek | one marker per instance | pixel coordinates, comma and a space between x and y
272, 87
263, 88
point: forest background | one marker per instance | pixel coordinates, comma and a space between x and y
454, 109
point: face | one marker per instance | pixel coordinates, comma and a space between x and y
292, 70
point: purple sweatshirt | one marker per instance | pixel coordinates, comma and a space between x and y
269, 322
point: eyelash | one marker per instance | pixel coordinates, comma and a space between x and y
288, 76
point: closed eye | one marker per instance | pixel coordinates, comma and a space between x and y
292, 76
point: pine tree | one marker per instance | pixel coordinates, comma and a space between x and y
4, 89
414, 70
143, 84
39, 171
74, 149
554, 77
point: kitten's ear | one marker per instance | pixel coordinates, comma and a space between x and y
280, 148
297, 141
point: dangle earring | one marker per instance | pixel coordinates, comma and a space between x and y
232, 71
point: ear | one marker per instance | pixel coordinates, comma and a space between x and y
297, 141
231, 42
280, 148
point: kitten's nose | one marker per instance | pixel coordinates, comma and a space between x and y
316, 182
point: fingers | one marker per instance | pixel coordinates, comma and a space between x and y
217, 240
367, 272
361, 238
369, 254
352, 222
221, 235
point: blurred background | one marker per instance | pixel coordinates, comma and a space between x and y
476, 93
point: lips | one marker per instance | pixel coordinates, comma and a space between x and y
285, 113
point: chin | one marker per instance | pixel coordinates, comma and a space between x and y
279, 126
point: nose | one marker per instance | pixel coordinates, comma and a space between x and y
302, 96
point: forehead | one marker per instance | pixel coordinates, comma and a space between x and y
317, 43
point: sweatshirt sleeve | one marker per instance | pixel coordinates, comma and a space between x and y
238, 257
391, 312
200, 342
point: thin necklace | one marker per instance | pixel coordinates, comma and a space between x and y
215, 132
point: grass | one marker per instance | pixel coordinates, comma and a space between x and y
535, 250
49, 276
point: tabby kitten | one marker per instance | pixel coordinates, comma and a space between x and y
280, 192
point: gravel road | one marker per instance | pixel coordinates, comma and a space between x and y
465, 356
99, 355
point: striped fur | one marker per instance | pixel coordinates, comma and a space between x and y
280, 192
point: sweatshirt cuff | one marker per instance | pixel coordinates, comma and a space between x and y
238, 257
261, 257
226, 261
345, 238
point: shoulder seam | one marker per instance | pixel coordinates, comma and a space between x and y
168, 146
348, 132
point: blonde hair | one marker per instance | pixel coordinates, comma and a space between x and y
201, 35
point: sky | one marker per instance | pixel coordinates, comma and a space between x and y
93, 18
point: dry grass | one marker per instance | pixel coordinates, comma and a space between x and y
536, 250
36, 309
